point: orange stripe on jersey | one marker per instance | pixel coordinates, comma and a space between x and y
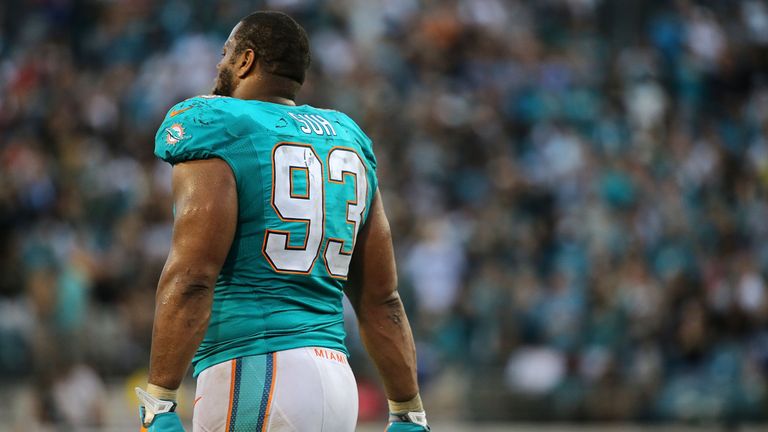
179, 111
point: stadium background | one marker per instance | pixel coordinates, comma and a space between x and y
577, 190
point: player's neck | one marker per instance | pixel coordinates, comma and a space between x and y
274, 89
273, 99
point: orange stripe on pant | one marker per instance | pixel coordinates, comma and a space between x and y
231, 394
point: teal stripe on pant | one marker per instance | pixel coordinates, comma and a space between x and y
253, 382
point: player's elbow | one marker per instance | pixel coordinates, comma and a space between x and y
196, 288
382, 293
187, 282
370, 312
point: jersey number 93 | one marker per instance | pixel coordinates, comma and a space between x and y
307, 207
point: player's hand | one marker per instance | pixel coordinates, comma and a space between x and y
157, 415
408, 422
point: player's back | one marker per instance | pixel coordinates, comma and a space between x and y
305, 180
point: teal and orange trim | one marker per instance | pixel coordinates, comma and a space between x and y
252, 388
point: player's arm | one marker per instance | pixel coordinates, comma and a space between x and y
205, 201
384, 327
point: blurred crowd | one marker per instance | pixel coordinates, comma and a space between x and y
577, 190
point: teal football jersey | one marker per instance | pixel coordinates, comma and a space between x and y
305, 180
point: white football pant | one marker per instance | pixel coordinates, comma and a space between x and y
303, 390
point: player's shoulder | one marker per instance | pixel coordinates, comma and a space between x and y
196, 128
203, 110
351, 130
348, 125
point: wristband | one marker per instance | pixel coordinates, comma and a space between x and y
162, 393
413, 405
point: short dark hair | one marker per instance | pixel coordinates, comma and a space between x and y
277, 40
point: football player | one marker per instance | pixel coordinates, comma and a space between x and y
277, 213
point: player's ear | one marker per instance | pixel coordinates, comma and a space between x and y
245, 62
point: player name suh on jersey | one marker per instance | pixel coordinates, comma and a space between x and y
314, 124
